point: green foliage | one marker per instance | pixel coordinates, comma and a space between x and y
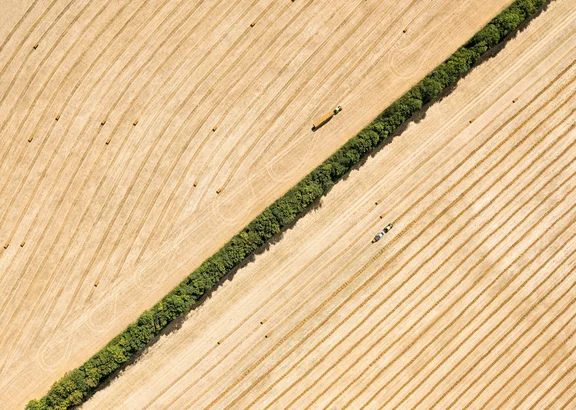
430, 89
489, 36
36, 405
78, 384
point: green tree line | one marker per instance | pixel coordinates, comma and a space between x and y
77, 385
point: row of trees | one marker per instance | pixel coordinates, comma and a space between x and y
74, 388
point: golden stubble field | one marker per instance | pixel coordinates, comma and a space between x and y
119, 122
469, 302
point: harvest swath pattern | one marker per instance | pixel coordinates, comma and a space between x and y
108, 157
469, 301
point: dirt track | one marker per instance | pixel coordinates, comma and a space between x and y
106, 116
467, 303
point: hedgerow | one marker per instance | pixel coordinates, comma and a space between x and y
77, 385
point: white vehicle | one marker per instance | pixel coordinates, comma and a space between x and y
378, 236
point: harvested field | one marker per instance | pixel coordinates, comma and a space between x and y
467, 303
109, 162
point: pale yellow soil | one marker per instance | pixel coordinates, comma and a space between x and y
468, 303
76, 211
13, 11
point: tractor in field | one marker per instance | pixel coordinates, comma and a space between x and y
384, 231
324, 119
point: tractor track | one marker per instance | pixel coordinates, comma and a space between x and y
85, 213
50, 223
306, 283
168, 174
385, 248
315, 91
405, 281
249, 87
470, 155
360, 323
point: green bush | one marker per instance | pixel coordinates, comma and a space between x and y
78, 384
